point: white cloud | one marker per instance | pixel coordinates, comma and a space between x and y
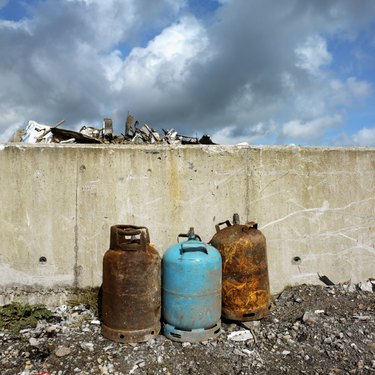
359, 89
162, 68
10, 117
82, 60
345, 92
310, 130
14, 25
231, 135
224, 136
365, 137
313, 54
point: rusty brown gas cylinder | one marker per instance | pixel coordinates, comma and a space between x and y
131, 289
245, 290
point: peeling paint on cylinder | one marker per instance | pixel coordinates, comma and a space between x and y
246, 291
131, 304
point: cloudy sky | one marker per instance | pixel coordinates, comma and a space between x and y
256, 71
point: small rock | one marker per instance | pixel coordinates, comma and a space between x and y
89, 346
110, 367
238, 352
62, 351
240, 336
362, 317
62, 309
310, 317
251, 324
33, 341
51, 329
352, 288
28, 365
247, 352
285, 352
95, 322
103, 370
365, 286
133, 369
186, 344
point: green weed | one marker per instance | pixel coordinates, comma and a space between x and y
17, 316
88, 297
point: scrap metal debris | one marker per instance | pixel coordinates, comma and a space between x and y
134, 134
324, 279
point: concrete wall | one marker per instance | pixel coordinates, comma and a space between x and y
59, 202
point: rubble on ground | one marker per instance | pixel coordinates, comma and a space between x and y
134, 134
311, 330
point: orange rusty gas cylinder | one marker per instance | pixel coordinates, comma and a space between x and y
246, 291
131, 287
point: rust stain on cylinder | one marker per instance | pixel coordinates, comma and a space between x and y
246, 291
131, 304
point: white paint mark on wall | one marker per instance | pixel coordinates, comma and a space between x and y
131, 177
230, 172
151, 202
324, 208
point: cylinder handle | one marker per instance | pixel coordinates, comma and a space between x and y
217, 226
250, 225
190, 248
119, 240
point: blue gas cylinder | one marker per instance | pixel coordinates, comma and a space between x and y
191, 290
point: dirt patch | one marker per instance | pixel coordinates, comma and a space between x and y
311, 330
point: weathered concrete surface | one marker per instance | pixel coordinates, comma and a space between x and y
59, 202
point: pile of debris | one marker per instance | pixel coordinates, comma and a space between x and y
134, 134
312, 329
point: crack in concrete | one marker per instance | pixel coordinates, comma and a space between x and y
76, 248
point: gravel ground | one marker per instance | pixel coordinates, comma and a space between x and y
311, 330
